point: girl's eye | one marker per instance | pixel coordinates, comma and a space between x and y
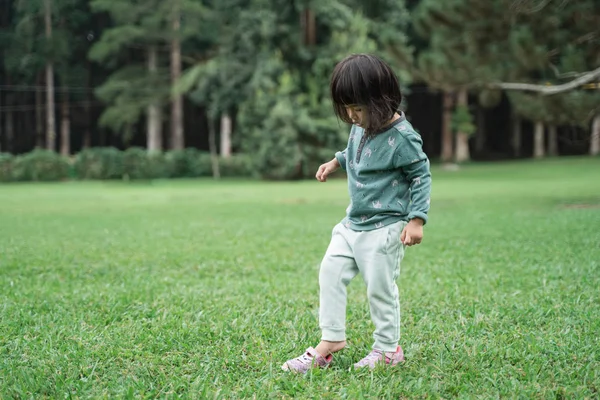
358, 109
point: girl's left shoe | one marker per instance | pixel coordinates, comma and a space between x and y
377, 357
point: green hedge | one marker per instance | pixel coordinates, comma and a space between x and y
189, 163
99, 163
105, 163
40, 165
6, 161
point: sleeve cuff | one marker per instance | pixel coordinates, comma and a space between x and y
418, 214
341, 159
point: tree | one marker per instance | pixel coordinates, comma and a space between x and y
271, 62
552, 47
533, 44
556, 41
45, 47
70, 68
445, 62
595, 137
142, 30
31, 50
177, 137
130, 90
51, 129
463, 126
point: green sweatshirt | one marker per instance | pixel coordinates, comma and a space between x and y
388, 176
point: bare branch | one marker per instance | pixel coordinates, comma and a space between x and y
565, 75
549, 90
528, 9
537, 8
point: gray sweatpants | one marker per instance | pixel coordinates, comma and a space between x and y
376, 255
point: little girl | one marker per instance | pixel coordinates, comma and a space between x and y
389, 183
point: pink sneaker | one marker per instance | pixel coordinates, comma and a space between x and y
379, 357
310, 359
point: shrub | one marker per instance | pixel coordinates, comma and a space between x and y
99, 163
40, 165
237, 165
158, 166
136, 164
139, 164
6, 162
189, 163
103, 163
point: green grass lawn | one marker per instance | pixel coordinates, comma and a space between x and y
202, 290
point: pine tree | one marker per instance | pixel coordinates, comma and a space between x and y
47, 46
531, 45
271, 62
444, 64
143, 31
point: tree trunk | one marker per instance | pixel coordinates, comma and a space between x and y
177, 135
538, 140
552, 141
212, 144
65, 126
154, 139
87, 107
462, 138
1, 121
595, 139
39, 112
50, 124
225, 135
516, 135
308, 24
447, 151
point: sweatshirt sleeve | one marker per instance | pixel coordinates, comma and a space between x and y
413, 162
341, 157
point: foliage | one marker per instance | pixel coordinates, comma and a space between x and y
274, 141
463, 121
99, 163
40, 165
202, 290
28, 49
189, 163
6, 162
546, 42
236, 53
108, 163
138, 26
279, 84
139, 164
575, 108
237, 165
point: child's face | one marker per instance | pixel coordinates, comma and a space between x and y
357, 114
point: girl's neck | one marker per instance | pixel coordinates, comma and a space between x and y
390, 122
394, 118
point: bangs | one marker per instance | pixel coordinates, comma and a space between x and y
348, 86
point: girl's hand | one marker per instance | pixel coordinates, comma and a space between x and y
326, 169
413, 232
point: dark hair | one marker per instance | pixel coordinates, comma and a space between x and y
363, 79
